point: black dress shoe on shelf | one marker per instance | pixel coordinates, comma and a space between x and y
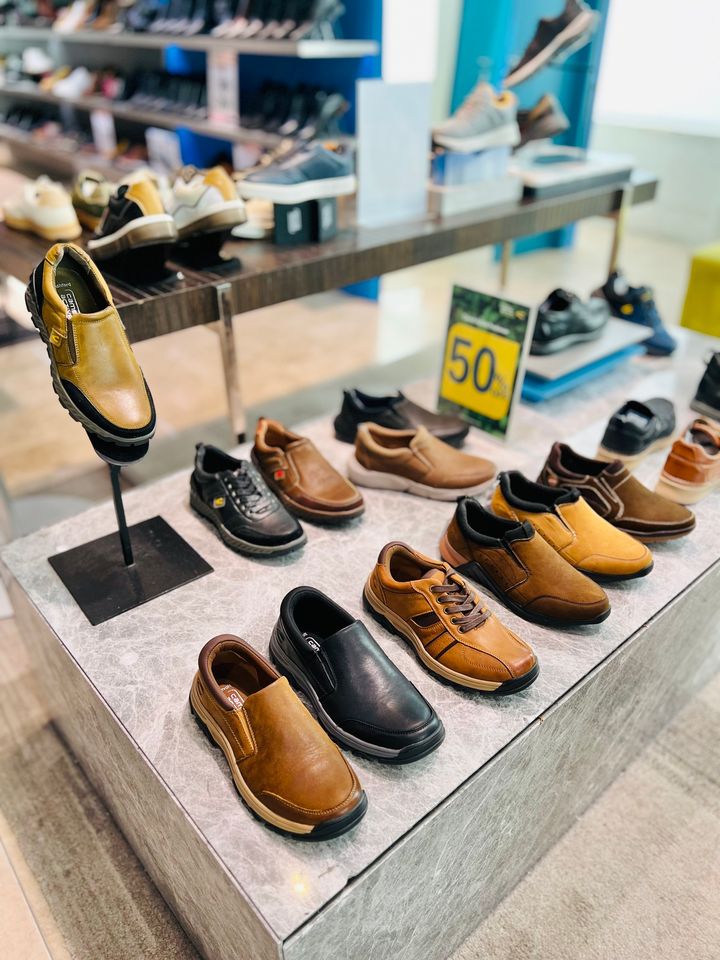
637, 429
397, 413
707, 396
358, 694
232, 495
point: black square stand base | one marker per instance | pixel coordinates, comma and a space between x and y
103, 586
311, 221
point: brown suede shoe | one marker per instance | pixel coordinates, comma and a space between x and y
615, 495
301, 477
692, 468
414, 461
451, 630
284, 765
512, 561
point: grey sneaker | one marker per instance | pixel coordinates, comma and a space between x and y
543, 121
564, 320
310, 173
484, 119
556, 39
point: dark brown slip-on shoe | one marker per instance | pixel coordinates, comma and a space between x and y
301, 477
617, 496
513, 562
284, 765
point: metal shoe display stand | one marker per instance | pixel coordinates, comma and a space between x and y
122, 570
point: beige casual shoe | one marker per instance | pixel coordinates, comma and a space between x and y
45, 209
414, 461
451, 630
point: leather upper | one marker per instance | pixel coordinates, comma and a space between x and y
522, 565
695, 457
294, 465
636, 425
420, 456
91, 349
358, 685
567, 522
615, 494
283, 754
454, 626
396, 412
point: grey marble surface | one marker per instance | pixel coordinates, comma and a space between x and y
142, 662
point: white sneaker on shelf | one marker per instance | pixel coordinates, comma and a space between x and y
77, 84
74, 17
44, 208
36, 62
204, 201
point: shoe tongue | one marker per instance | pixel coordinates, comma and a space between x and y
434, 575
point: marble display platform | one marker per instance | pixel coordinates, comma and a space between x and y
444, 839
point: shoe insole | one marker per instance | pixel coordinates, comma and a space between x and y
73, 288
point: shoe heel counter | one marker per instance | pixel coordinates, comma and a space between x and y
500, 506
146, 197
681, 466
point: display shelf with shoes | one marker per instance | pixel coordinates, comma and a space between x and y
603, 690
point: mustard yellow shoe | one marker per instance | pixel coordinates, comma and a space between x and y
571, 526
94, 371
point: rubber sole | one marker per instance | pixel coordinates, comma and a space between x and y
226, 218
283, 825
87, 219
409, 754
236, 543
631, 460
63, 234
685, 493
379, 480
508, 135
471, 569
151, 231
565, 43
564, 343
322, 517
660, 536
63, 396
299, 192
615, 577
388, 619
705, 409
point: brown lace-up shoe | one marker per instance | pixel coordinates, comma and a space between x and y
284, 765
446, 621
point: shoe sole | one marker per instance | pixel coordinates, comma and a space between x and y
395, 624
64, 234
566, 42
299, 192
392, 481
237, 543
143, 232
400, 755
470, 568
631, 460
325, 517
681, 492
63, 396
616, 577
706, 410
323, 831
88, 220
226, 218
563, 343
507, 135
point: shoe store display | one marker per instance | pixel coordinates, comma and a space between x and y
637, 305
357, 693
414, 461
543, 121
91, 194
134, 218
283, 764
563, 320
233, 496
485, 119
514, 563
94, 371
204, 201
692, 468
301, 477
76, 84
310, 173
707, 396
453, 633
396, 412
45, 209
616, 495
636, 430
572, 528
555, 39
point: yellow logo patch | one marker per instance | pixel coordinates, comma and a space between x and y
219, 502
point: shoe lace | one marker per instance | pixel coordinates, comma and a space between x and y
243, 487
459, 603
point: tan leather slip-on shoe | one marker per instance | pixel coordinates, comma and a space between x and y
513, 562
617, 496
692, 468
451, 630
301, 477
284, 765
95, 374
572, 528
414, 461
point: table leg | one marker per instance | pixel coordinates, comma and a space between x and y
506, 253
236, 409
620, 218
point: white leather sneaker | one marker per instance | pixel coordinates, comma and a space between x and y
204, 202
43, 208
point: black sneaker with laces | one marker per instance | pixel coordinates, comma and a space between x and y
232, 495
707, 395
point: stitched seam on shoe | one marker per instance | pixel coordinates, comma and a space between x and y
295, 806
